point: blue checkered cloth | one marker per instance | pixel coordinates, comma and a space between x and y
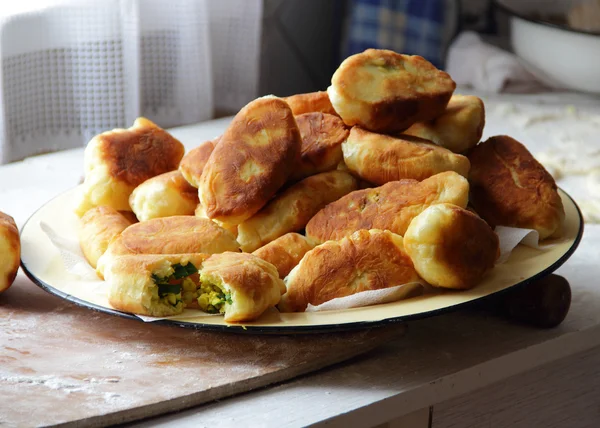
412, 27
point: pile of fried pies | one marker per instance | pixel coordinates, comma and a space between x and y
380, 181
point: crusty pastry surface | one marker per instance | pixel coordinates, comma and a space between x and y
132, 287
322, 136
165, 195
379, 158
193, 162
510, 188
310, 103
253, 159
10, 251
365, 260
97, 228
451, 247
254, 283
383, 91
118, 161
285, 252
291, 210
388, 207
169, 235
458, 128
233, 228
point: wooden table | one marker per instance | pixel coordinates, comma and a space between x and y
467, 369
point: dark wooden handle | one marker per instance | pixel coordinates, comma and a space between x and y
543, 303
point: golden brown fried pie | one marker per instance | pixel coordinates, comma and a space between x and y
10, 251
118, 161
291, 210
451, 247
165, 195
251, 284
251, 162
379, 158
388, 207
310, 103
169, 235
193, 162
365, 260
97, 228
322, 137
458, 128
510, 188
199, 212
383, 91
285, 252
153, 284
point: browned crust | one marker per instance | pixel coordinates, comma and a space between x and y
459, 128
380, 159
264, 135
366, 260
139, 153
10, 232
246, 274
465, 246
291, 210
322, 137
510, 188
388, 207
469, 248
310, 102
193, 162
98, 226
421, 93
174, 235
285, 252
176, 181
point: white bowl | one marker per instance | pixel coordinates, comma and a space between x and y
560, 56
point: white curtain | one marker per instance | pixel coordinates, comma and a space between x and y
77, 68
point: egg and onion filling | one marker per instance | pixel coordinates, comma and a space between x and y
211, 296
169, 287
184, 287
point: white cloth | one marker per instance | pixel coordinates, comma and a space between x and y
487, 68
76, 68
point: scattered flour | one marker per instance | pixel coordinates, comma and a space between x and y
58, 383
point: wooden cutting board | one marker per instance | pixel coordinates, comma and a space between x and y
64, 364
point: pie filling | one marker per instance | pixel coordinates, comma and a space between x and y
211, 296
185, 286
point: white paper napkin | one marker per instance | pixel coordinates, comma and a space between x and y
372, 297
71, 254
510, 237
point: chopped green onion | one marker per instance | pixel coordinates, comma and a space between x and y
158, 280
180, 271
164, 289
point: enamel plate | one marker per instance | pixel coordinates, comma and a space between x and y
43, 264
